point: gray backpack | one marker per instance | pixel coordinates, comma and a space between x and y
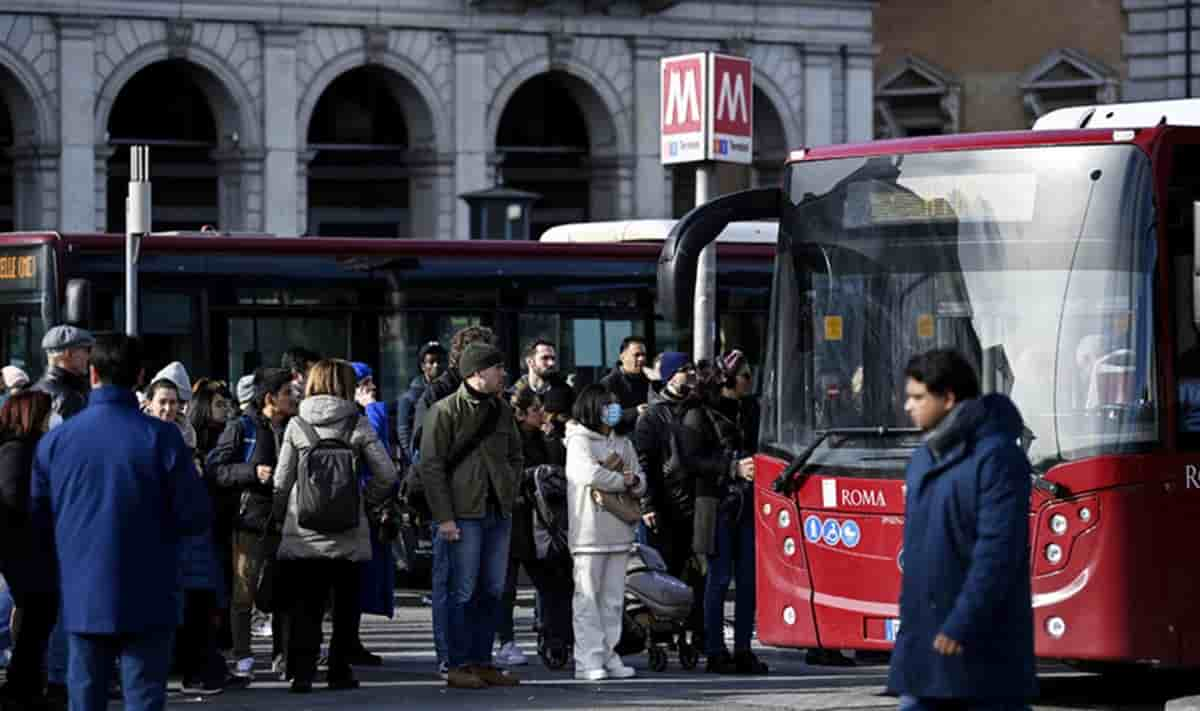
327, 491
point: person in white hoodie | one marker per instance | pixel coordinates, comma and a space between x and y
599, 460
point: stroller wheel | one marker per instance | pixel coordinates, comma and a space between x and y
658, 659
689, 656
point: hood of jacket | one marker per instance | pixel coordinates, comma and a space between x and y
176, 373
993, 414
574, 429
326, 410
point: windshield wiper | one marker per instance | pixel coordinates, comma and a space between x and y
794, 475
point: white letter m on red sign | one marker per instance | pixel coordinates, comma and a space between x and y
731, 104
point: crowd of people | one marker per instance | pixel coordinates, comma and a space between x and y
153, 525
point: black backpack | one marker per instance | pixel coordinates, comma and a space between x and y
327, 490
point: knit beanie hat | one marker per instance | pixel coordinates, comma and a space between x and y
362, 371
672, 361
245, 389
14, 377
176, 373
478, 356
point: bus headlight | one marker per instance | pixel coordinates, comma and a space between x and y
1058, 524
789, 547
1054, 553
1085, 514
1056, 627
789, 615
766, 509
785, 519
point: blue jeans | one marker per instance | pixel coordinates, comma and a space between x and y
439, 597
734, 560
478, 570
145, 660
6, 608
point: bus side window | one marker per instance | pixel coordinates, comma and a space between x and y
1183, 189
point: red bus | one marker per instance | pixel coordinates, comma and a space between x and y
225, 304
1063, 263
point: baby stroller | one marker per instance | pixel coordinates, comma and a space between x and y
657, 606
546, 488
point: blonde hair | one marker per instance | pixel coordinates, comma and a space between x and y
332, 376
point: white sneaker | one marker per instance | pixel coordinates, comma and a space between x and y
617, 669
444, 670
245, 667
591, 674
510, 655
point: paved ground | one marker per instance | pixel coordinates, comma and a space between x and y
407, 681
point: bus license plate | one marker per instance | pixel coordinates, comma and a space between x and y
892, 629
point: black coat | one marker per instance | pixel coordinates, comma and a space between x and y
538, 449
68, 391
26, 558
445, 386
248, 501
670, 491
631, 391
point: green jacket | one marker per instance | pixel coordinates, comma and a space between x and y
463, 493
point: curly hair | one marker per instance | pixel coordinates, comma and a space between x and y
466, 337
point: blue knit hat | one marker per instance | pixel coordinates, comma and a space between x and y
362, 371
672, 361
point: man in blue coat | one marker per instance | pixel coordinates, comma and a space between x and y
966, 632
117, 489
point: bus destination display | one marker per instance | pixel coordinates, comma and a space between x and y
20, 269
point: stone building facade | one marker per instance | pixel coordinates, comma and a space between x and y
347, 113
986, 66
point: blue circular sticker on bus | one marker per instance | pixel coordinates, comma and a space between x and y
812, 528
832, 532
851, 534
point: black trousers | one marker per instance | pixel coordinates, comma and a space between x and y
37, 614
309, 584
199, 659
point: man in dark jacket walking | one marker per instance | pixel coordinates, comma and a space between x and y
117, 490
966, 617
629, 383
67, 351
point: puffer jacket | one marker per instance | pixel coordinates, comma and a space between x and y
670, 491
493, 468
591, 529
198, 568
68, 390
328, 415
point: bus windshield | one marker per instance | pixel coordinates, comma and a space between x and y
1035, 263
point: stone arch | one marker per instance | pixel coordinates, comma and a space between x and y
603, 108
774, 134
788, 115
30, 117
429, 126
238, 140
231, 101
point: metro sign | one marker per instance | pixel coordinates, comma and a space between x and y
707, 104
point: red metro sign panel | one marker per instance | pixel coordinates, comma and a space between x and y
707, 104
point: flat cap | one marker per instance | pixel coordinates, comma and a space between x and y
63, 337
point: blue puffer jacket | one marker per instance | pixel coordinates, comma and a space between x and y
199, 568
966, 560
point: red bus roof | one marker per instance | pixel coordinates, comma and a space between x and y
978, 141
339, 246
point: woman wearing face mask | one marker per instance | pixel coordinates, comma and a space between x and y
599, 460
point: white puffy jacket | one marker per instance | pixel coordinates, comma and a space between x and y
591, 529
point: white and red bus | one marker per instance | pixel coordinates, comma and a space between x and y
1063, 262
225, 304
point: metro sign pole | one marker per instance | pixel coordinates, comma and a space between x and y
706, 117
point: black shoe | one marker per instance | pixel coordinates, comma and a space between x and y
301, 686
196, 687
747, 663
342, 683
720, 664
362, 658
827, 658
